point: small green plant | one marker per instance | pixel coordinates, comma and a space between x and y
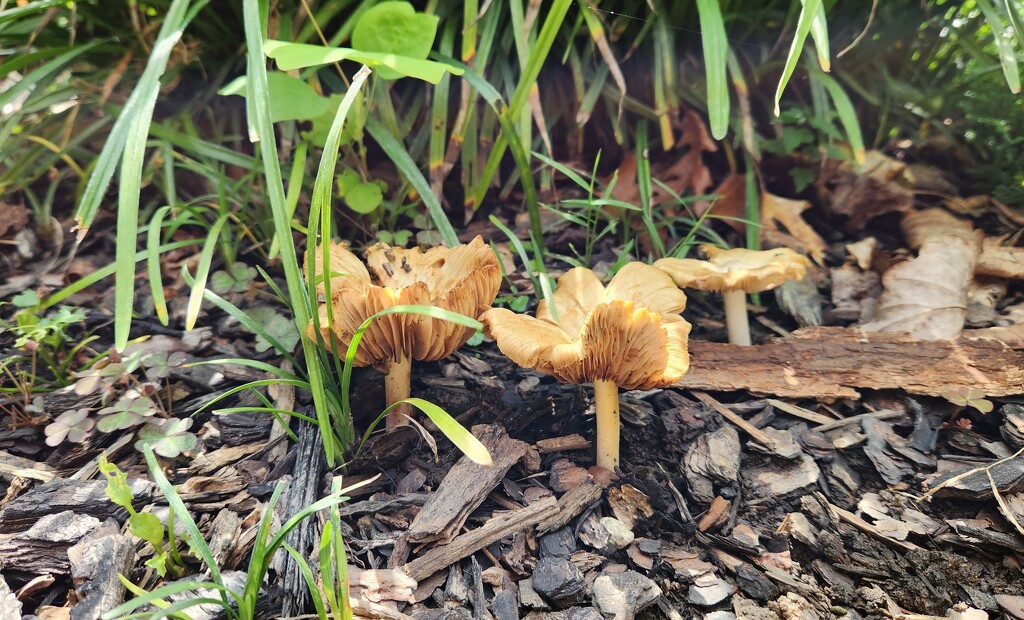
145, 525
969, 397
124, 401
236, 605
43, 338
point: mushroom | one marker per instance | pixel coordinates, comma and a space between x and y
463, 279
735, 273
627, 335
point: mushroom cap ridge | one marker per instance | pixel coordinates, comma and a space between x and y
463, 279
629, 333
736, 269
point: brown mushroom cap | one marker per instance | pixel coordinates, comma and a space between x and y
736, 269
464, 279
629, 333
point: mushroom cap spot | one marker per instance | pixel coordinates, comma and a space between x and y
614, 339
736, 269
464, 279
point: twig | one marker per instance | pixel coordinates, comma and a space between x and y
957, 478
881, 414
755, 433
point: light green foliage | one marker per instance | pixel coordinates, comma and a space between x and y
395, 28
146, 526
969, 397
300, 55
237, 278
290, 98
361, 197
168, 438
276, 327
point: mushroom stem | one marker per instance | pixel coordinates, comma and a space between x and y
606, 398
736, 317
397, 387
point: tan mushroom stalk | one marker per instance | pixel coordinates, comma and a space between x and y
463, 279
736, 273
628, 334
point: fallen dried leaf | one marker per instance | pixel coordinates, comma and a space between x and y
777, 211
882, 186
927, 296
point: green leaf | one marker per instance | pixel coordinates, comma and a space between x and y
235, 279
395, 28
819, 33
847, 113
300, 55
455, 432
1007, 55
117, 484
715, 44
803, 27
361, 197
354, 121
147, 526
290, 98
279, 327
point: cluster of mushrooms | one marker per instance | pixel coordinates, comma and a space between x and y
627, 334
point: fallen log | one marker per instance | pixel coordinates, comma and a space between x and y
836, 362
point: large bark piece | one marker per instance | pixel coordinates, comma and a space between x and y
83, 497
496, 528
836, 362
465, 488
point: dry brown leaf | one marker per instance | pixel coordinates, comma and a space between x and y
731, 202
883, 185
927, 296
12, 218
686, 175
863, 252
777, 211
921, 226
1000, 260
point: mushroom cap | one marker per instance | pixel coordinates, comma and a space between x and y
463, 279
736, 269
629, 332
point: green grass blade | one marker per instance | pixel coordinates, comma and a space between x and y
1007, 56
715, 44
43, 74
156, 286
538, 54
18, 12
105, 272
1015, 20
195, 298
803, 27
132, 160
183, 515
455, 432
237, 313
262, 129
846, 112
819, 34
398, 154
353, 347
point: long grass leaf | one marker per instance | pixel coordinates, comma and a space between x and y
1007, 55
1015, 20
156, 286
181, 512
262, 129
803, 27
846, 112
105, 272
195, 298
528, 78
455, 432
716, 45
819, 34
398, 154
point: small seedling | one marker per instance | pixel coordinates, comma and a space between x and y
145, 525
969, 397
